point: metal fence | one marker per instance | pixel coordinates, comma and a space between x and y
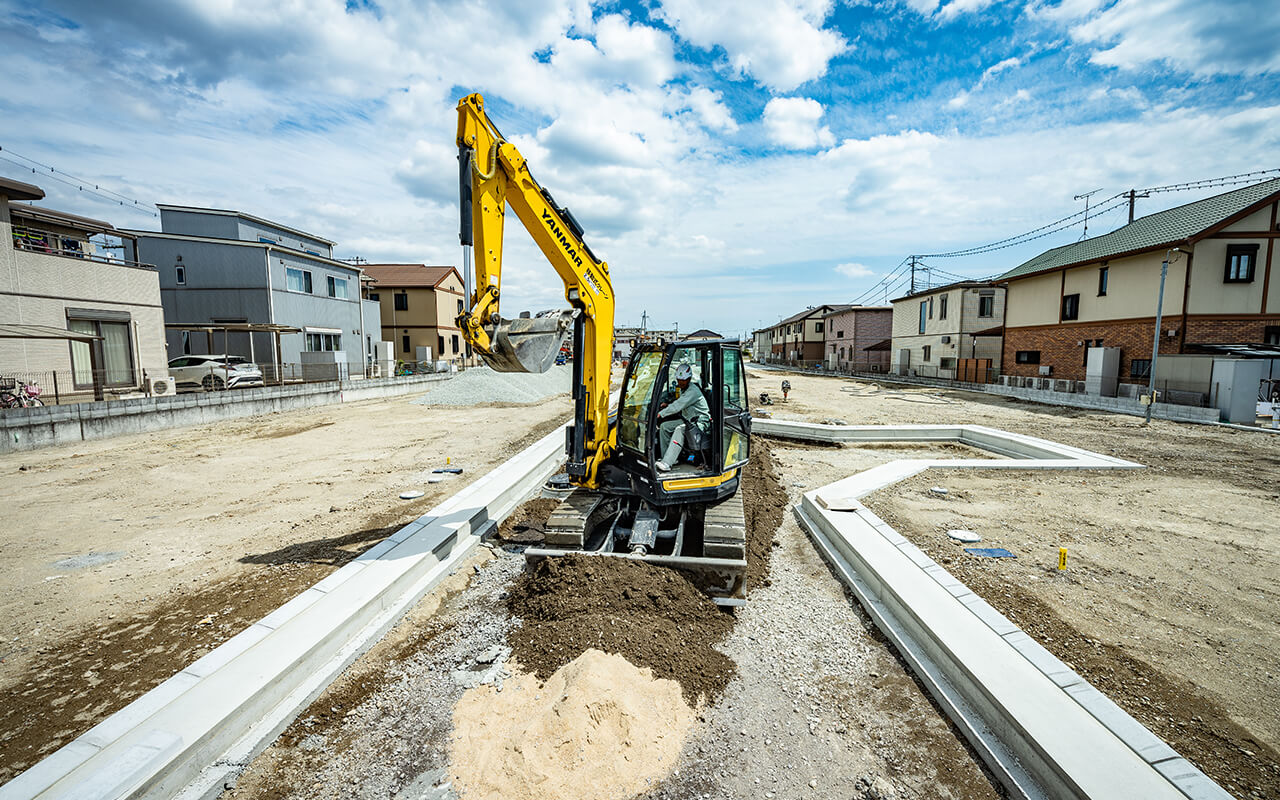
62, 387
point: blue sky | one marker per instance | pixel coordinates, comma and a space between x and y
733, 161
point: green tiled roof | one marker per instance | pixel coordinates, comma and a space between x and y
1164, 228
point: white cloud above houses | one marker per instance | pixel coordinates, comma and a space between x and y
795, 123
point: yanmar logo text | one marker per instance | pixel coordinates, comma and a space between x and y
559, 234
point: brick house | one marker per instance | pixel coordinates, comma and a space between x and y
1101, 292
848, 332
934, 330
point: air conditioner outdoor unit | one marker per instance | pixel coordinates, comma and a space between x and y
1047, 369
161, 387
946, 340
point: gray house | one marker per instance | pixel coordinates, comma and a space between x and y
229, 268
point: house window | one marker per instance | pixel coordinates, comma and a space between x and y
817, 327
114, 350
180, 275
930, 308
839, 334
374, 296
1071, 306
322, 342
947, 363
299, 280
1140, 368
455, 343
404, 343
986, 306
461, 308
1271, 334
402, 302
924, 310
1241, 259
440, 347
1027, 357
942, 307
927, 351
1102, 282
337, 287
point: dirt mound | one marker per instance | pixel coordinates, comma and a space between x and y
599, 727
652, 616
763, 500
528, 523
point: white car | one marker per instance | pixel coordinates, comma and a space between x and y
214, 373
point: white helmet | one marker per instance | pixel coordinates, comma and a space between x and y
684, 372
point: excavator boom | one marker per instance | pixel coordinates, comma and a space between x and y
492, 175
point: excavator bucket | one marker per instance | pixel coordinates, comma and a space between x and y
528, 345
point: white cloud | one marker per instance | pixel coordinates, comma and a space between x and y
854, 270
1231, 37
780, 43
957, 7
960, 100
998, 67
792, 122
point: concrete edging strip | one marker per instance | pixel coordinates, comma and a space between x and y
1043, 730
201, 727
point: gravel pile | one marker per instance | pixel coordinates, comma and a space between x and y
483, 385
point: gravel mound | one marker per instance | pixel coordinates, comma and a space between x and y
483, 385
652, 616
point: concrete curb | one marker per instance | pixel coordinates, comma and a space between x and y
199, 729
1042, 729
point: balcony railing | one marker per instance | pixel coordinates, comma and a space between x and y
34, 241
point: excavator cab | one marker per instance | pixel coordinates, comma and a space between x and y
709, 467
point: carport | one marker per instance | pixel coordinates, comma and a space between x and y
16, 331
250, 328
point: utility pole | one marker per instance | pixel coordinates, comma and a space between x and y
644, 319
1155, 345
1085, 197
1133, 195
914, 261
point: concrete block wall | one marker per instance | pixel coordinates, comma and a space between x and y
31, 428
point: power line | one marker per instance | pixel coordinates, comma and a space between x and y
81, 184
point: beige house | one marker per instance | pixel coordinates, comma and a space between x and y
419, 306
1220, 290
57, 273
940, 332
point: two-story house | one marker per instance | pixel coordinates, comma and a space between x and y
800, 339
219, 266
935, 330
60, 274
1220, 289
851, 335
419, 308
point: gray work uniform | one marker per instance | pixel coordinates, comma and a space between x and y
687, 419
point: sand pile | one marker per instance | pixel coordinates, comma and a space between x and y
652, 616
598, 728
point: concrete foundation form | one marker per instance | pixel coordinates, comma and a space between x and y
197, 731
1043, 730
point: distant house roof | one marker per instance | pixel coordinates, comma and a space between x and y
1154, 231
821, 310
407, 276
229, 213
17, 190
847, 309
946, 288
703, 333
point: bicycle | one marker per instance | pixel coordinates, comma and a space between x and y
17, 393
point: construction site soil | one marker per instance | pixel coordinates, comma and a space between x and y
652, 616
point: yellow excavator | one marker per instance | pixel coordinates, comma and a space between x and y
646, 483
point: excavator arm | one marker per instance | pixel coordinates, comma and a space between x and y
492, 175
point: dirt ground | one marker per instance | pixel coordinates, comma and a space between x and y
1168, 604
123, 560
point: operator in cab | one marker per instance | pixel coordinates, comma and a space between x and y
685, 419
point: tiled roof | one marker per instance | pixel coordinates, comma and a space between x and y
408, 276
1162, 229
